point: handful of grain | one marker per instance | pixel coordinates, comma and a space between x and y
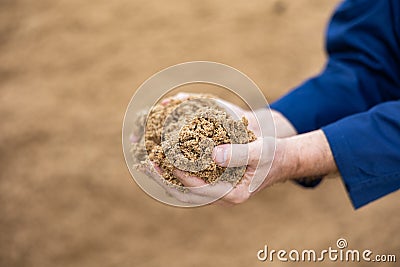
182, 135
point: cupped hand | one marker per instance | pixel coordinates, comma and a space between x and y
257, 156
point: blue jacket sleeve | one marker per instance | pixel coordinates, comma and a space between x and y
363, 71
366, 148
362, 42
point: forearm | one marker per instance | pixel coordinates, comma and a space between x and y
305, 155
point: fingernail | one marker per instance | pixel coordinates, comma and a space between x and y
133, 138
165, 101
179, 173
219, 155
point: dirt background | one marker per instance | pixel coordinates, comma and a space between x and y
68, 69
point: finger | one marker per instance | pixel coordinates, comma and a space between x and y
165, 101
251, 154
180, 96
199, 187
188, 180
172, 190
133, 138
261, 169
235, 155
240, 193
188, 197
231, 109
223, 194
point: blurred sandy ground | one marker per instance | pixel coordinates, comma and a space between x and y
68, 69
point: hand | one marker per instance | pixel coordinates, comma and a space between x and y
282, 125
306, 155
261, 155
257, 156
295, 157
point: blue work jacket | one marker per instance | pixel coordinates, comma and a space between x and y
355, 100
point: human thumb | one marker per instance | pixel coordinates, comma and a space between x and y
235, 155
